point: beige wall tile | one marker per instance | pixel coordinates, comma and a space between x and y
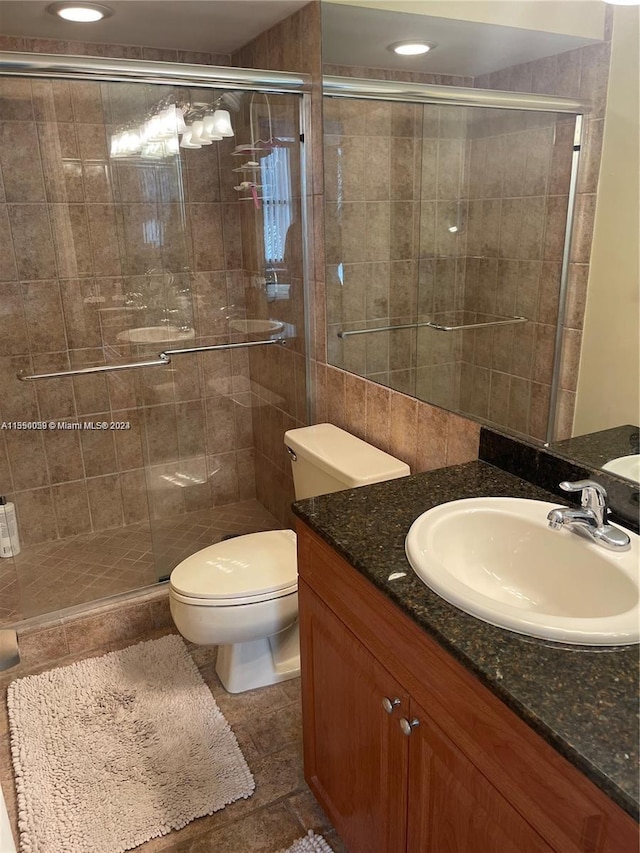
206, 224
98, 448
583, 228
432, 437
8, 268
71, 238
14, 333
220, 425
32, 241
64, 459
26, 453
71, 504
20, 162
335, 399
17, 399
43, 314
223, 476
378, 431
36, 516
134, 496
105, 502
104, 239
161, 433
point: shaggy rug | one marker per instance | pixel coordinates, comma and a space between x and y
112, 751
311, 843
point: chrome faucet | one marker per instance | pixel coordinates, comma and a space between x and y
591, 520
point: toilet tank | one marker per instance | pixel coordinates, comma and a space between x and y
327, 459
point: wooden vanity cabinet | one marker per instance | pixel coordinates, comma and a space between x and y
407, 751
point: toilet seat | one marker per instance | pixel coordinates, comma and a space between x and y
244, 570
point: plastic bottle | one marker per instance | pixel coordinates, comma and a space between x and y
9, 539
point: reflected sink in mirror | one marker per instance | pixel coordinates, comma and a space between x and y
498, 560
156, 335
625, 466
256, 327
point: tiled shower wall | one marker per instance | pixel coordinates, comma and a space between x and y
517, 193
68, 250
508, 260
394, 174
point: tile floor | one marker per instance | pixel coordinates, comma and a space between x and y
68, 572
267, 723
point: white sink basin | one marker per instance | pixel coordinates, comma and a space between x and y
497, 559
625, 466
156, 335
256, 327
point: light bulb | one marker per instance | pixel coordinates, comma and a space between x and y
209, 128
80, 13
187, 140
222, 123
411, 48
196, 133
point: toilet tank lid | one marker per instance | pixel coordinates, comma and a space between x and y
346, 457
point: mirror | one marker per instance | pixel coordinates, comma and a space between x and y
616, 450
450, 216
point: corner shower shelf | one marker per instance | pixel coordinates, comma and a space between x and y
437, 326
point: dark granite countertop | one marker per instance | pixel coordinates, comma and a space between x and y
597, 448
582, 700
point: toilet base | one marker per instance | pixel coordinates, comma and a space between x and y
258, 663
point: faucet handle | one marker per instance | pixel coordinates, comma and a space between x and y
594, 496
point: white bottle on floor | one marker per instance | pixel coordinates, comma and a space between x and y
9, 539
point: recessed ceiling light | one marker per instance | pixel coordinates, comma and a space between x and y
83, 13
411, 48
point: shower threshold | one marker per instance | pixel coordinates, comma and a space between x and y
65, 573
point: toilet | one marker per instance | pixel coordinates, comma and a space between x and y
242, 594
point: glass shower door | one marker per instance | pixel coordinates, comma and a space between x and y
492, 243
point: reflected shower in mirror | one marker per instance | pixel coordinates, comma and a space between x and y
452, 294
450, 208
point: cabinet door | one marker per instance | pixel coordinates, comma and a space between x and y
355, 755
453, 808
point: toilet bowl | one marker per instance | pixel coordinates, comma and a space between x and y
241, 594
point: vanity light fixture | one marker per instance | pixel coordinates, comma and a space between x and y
411, 48
82, 13
623, 2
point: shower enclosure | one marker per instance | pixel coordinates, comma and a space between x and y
152, 284
447, 243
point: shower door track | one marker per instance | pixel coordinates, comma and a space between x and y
17, 64
163, 360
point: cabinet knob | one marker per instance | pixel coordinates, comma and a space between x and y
390, 704
407, 726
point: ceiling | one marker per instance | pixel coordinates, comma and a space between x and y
212, 26
353, 35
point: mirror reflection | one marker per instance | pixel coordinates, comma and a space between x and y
447, 216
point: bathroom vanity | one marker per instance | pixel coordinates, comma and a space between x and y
426, 729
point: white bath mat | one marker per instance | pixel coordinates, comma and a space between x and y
311, 843
113, 751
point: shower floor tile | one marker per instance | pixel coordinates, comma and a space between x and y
69, 572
